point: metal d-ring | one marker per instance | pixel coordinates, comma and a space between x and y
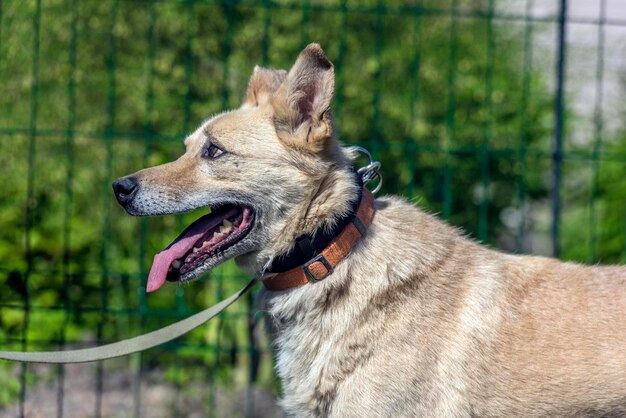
371, 171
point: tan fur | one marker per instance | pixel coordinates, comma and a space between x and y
418, 320
263, 83
302, 103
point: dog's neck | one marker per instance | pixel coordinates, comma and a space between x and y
325, 225
328, 201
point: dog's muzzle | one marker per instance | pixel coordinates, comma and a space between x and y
125, 189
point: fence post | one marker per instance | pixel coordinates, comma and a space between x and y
557, 152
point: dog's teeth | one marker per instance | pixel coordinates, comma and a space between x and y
195, 249
218, 235
205, 244
225, 229
176, 264
227, 222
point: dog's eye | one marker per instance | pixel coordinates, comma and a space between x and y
212, 152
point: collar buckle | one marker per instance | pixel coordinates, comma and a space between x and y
313, 272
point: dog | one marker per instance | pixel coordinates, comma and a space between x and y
406, 317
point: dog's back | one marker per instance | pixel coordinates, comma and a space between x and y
561, 346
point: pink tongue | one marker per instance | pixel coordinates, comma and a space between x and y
182, 244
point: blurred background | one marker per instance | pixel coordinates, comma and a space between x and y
505, 117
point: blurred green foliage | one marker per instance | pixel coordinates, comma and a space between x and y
91, 91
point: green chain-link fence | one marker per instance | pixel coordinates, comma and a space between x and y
469, 104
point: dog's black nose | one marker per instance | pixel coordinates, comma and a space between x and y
125, 189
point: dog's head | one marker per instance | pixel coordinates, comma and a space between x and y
270, 171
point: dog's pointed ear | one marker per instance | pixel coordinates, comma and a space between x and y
262, 85
302, 103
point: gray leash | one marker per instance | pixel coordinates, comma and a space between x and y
131, 345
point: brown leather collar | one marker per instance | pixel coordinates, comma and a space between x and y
323, 264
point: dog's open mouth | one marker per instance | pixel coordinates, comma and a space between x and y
200, 243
